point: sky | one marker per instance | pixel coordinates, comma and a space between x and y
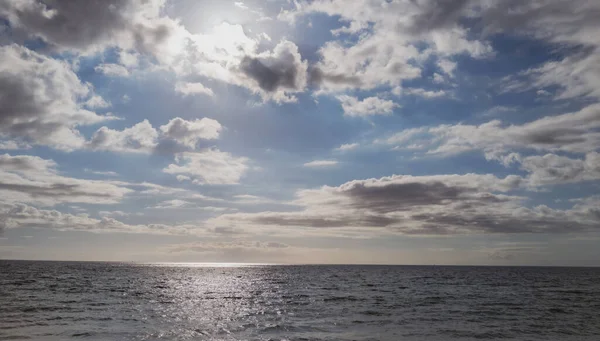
326, 131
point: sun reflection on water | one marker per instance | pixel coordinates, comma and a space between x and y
208, 265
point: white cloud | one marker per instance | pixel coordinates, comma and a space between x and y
174, 203
13, 145
425, 93
141, 138
575, 132
144, 138
368, 106
562, 23
577, 75
438, 79
106, 173
240, 4
128, 59
97, 102
447, 66
386, 33
347, 146
555, 169
188, 133
210, 166
251, 199
183, 178
113, 70
321, 163
187, 88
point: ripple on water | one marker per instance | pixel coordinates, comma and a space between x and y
103, 301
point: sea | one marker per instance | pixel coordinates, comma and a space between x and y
125, 301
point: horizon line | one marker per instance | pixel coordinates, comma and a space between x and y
257, 264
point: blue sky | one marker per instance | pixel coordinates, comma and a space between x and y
404, 132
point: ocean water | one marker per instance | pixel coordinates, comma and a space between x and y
113, 301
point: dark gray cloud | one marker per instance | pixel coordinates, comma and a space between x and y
403, 196
89, 25
325, 222
42, 101
316, 77
567, 17
31, 179
437, 14
25, 163
22, 113
272, 77
283, 69
56, 191
437, 205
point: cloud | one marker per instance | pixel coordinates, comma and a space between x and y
551, 20
566, 24
240, 4
555, 169
347, 146
92, 26
113, 213
368, 106
174, 203
424, 205
106, 173
192, 203
278, 72
96, 102
226, 246
140, 138
447, 66
576, 75
251, 199
33, 180
17, 215
228, 55
425, 93
13, 145
187, 88
321, 163
386, 34
43, 100
188, 133
575, 132
113, 70
209, 166
438, 79
128, 59
236, 251
317, 77
144, 138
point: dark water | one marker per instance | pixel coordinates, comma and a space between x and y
109, 301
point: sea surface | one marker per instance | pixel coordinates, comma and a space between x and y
121, 301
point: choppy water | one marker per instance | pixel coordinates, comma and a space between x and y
109, 301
